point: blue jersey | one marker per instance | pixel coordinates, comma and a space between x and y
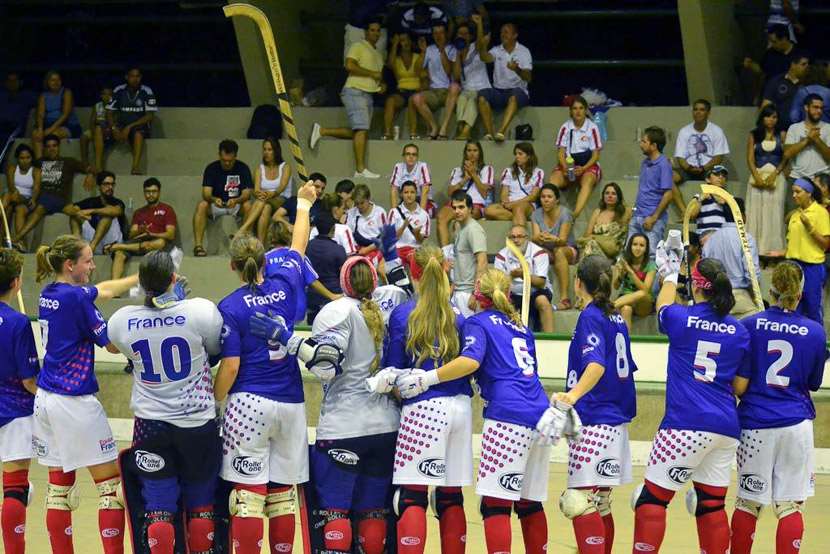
70, 327
273, 267
18, 361
603, 340
787, 362
273, 374
507, 373
705, 352
395, 354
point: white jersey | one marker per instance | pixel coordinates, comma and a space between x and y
368, 227
486, 175
389, 297
537, 260
169, 349
417, 218
418, 174
348, 409
524, 185
342, 236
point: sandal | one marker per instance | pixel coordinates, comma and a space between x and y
199, 252
488, 136
499, 137
564, 304
414, 137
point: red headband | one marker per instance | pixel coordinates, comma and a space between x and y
346, 274
483, 301
415, 270
699, 280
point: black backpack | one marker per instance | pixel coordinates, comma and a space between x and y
524, 132
265, 122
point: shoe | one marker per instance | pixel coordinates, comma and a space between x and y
499, 137
366, 174
488, 136
315, 136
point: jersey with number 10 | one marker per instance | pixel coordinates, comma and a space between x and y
603, 339
788, 355
705, 352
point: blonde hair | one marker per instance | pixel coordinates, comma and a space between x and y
363, 285
495, 285
787, 278
431, 325
50, 259
247, 258
279, 234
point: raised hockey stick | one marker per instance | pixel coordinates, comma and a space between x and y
525, 279
261, 21
687, 216
8, 244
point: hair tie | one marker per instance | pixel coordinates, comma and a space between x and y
699, 280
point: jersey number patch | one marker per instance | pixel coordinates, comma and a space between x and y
785, 351
174, 369
523, 358
704, 361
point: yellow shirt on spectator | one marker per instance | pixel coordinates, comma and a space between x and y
408, 78
800, 245
367, 57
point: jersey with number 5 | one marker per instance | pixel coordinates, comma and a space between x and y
603, 340
507, 372
787, 362
169, 349
705, 352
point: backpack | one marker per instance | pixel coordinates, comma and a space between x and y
524, 132
266, 121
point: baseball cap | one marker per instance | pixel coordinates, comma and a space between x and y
718, 170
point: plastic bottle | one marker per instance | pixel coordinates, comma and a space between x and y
569, 161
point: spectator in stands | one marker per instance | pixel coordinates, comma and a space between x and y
130, 114
552, 229
471, 72
654, 191
468, 253
633, 278
512, 71
766, 192
780, 89
797, 104
287, 213
55, 113
520, 184
272, 187
785, 12
327, 257
475, 178
360, 14
226, 189
153, 228
709, 214
541, 311
333, 204
807, 142
437, 62
56, 177
416, 171
407, 67
366, 220
606, 230
23, 188
99, 220
808, 238
578, 144
421, 19
700, 146
100, 131
459, 11
344, 189
725, 245
15, 104
364, 65
776, 58
411, 221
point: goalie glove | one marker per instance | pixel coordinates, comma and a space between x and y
180, 291
322, 359
383, 381
559, 420
415, 382
668, 257
387, 242
270, 327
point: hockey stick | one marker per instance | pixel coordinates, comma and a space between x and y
687, 216
739, 223
261, 21
8, 244
525, 279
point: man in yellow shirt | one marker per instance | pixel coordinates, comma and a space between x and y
364, 64
808, 237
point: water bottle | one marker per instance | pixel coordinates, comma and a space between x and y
569, 161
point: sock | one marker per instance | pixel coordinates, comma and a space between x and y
743, 532
650, 521
789, 533
713, 528
281, 528
13, 515
161, 535
371, 533
534, 529
588, 530
59, 522
111, 520
338, 534
412, 526
247, 531
608, 522
200, 527
453, 526
497, 533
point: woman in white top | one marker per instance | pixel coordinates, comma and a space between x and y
471, 72
271, 188
520, 184
579, 140
475, 178
411, 221
23, 184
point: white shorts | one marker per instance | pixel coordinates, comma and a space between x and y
460, 299
602, 457
435, 443
112, 235
264, 440
513, 464
216, 212
71, 432
16, 439
678, 457
778, 464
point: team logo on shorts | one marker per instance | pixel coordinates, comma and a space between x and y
511, 481
147, 461
247, 465
107, 444
679, 474
751, 482
432, 467
609, 467
344, 456
39, 447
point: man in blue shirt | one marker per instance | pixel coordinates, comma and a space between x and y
654, 191
327, 257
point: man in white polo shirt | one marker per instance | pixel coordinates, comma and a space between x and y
512, 68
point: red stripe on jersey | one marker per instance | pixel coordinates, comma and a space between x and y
394, 179
426, 227
597, 142
425, 175
540, 253
539, 177
499, 257
504, 174
350, 240
562, 130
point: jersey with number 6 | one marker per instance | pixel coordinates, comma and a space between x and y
603, 340
169, 349
507, 373
787, 362
705, 352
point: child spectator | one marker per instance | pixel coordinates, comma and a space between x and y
416, 171
608, 226
272, 187
55, 113
552, 229
99, 220
407, 67
634, 277
23, 184
410, 220
473, 177
99, 132
130, 114
520, 184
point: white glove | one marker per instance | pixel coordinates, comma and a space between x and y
552, 423
415, 382
668, 256
383, 381
573, 427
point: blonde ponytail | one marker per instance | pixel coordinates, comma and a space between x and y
495, 285
787, 284
247, 258
50, 259
362, 280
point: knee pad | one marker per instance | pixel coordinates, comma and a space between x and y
406, 497
577, 502
246, 503
749, 506
490, 507
63, 497
604, 502
440, 498
643, 495
200, 529
699, 502
787, 508
22, 491
337, 532
110, 495
526, 508
371, 531
279, 502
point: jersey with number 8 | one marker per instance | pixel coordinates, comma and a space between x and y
787, 361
